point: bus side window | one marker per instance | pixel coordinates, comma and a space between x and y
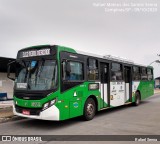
136, 73
144, 74
150, 74
116, 71
72, 71
93, 73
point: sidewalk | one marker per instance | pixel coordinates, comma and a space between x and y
156, 91
6, 110
5, 104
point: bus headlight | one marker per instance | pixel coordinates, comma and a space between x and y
52, 102
49, 104
46, 105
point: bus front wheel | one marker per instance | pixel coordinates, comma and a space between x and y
89, 109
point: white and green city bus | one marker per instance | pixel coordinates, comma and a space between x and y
57, 83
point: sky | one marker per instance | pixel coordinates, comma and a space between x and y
85, 25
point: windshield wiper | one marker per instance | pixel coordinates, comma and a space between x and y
38, 72
25, 66
41, 67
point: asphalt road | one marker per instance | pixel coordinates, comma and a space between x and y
125, 120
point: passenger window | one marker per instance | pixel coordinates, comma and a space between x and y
144, 74
72, 71
136, 73
150, 74
116, 71
93, 73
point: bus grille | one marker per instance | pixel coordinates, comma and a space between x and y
33, 111
28, 96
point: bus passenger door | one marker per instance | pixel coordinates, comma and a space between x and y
104, 87
128, 84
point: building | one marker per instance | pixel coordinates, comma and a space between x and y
6, 85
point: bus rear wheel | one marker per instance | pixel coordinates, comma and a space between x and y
89, 109
137, 99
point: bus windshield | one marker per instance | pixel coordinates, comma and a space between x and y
36, 75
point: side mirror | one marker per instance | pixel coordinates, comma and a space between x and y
10, 68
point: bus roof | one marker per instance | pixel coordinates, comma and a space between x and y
108, 57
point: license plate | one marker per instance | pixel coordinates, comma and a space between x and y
26, 112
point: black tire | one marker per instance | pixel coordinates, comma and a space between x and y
89, 109
137, 99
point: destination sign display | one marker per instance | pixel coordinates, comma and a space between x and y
33, 53
29, 53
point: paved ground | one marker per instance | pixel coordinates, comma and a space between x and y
125, 120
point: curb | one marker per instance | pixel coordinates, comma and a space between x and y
157, 92
10, 118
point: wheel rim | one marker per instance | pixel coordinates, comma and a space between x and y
90, 109
137, 99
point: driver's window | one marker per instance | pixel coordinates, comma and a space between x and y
72, 71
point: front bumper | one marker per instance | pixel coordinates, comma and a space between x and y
52, 113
